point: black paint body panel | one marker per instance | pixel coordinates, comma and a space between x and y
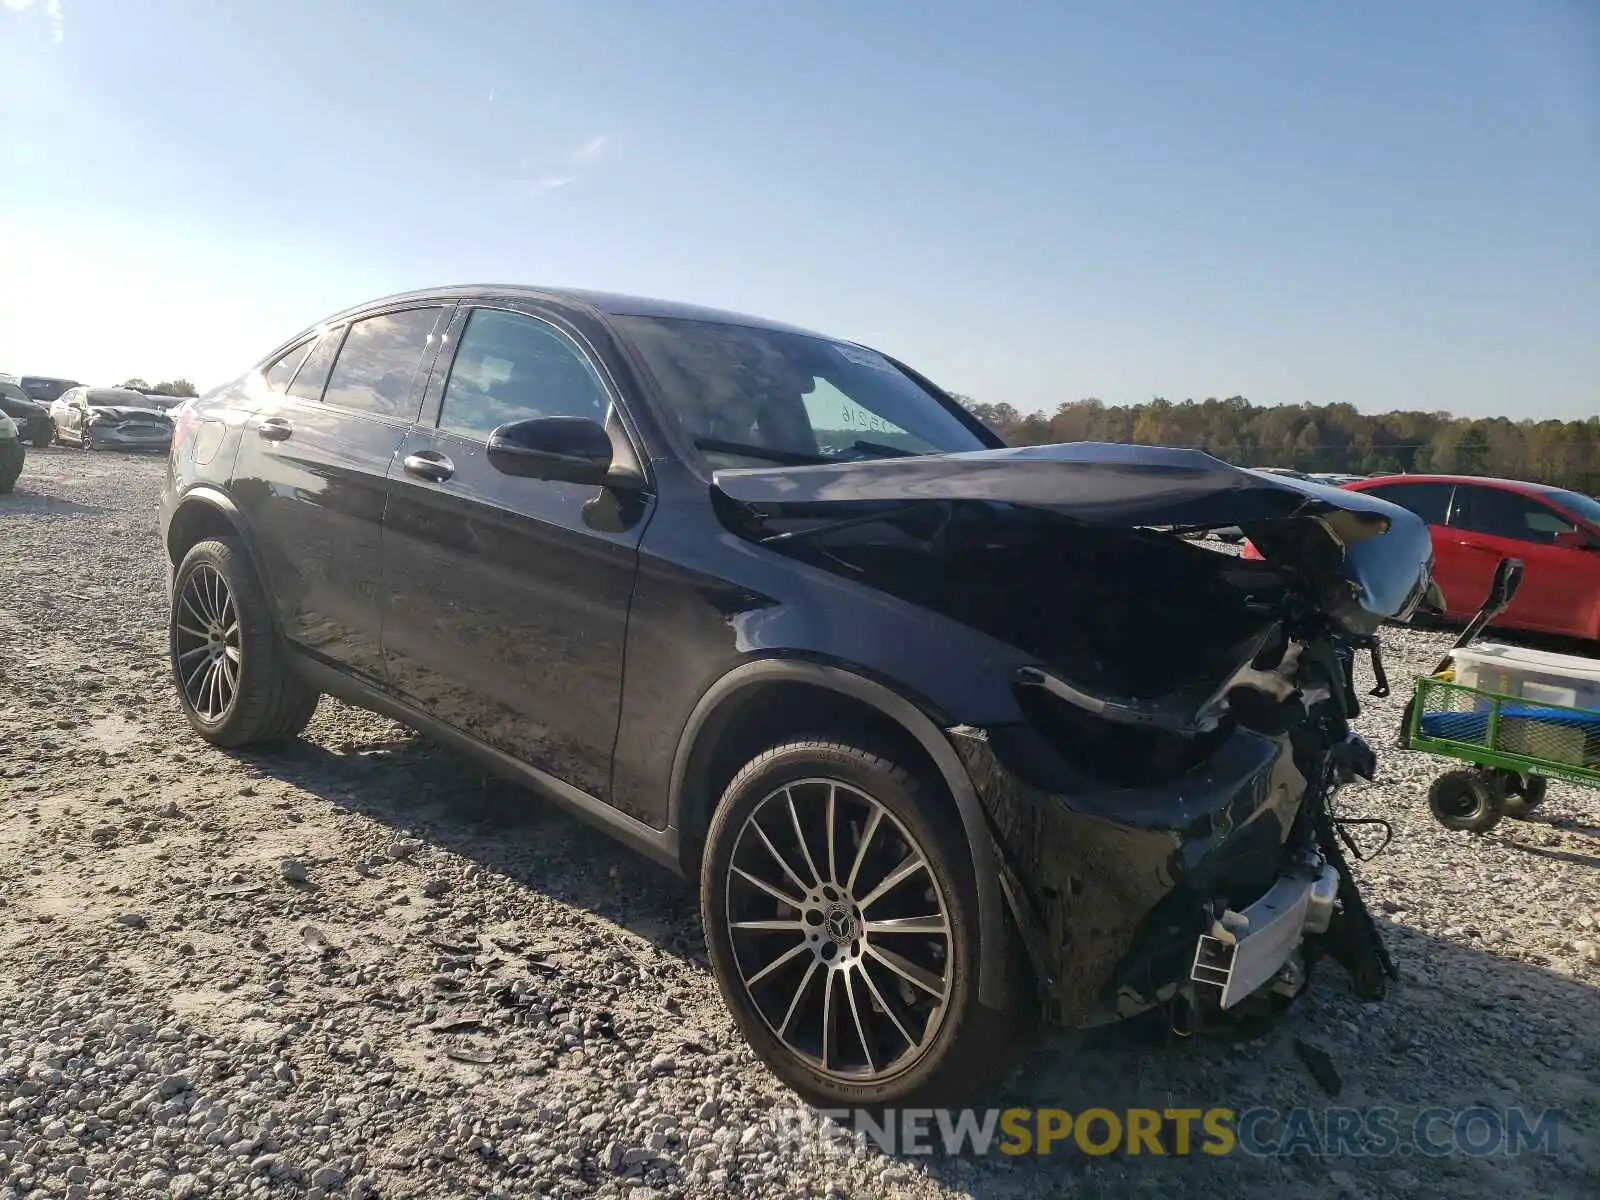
588, 639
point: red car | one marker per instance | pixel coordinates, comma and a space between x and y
1477, 522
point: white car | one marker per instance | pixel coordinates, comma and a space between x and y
116, 418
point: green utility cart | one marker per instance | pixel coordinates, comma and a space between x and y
1514, 743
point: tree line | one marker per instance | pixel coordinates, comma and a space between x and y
1323, 437
167, 387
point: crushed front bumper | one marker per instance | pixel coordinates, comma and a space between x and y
1246, 951
111, 437
1113, 888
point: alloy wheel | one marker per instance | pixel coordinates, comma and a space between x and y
206, 643
840, 930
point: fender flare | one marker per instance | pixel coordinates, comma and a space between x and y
214, 498
994, 988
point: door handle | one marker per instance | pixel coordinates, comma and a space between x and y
429, 465
275, 429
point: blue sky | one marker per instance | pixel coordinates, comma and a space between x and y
1394, 204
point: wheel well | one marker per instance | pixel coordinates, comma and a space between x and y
765, 714
195, 522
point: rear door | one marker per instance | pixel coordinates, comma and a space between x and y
310, 477
1558, 583
508, 597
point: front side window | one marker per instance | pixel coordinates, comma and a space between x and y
1430, 501
1499, 513
510, 367
312, 376
1586, 507
741, 394
379, 361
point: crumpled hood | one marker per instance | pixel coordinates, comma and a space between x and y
1365, 559
123, 413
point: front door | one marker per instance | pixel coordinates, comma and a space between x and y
1558, 582
71, 414
310, 479
508, 597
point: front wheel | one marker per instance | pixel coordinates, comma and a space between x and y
841, 917
232, 671
1465, 801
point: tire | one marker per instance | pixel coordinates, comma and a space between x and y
12, 459
42, 440
239, 653
922, 1052
1525, 795
1465, 801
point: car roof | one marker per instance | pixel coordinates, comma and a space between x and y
1515, 485
609, 304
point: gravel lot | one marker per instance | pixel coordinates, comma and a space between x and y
363, 968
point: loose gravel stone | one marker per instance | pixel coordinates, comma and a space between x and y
294, 870
547, 1026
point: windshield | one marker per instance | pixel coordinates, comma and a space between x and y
1578, 504
741, 395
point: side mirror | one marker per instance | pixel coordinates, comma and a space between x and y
1503, 588
1576, 539
568, 449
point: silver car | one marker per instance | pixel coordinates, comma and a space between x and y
110, 418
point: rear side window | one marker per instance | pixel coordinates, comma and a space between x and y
379, 361
1430, 501
312, 376
511, 367
1499, 513
281, 372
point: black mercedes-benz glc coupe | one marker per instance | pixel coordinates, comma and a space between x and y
953, 736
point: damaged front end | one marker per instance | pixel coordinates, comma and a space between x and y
1160, 801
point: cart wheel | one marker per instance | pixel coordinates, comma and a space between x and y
1525, 794
1465, 801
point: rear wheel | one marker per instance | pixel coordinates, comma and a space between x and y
841, 918
231, 668
1524, 794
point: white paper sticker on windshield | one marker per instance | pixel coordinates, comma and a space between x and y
862, 357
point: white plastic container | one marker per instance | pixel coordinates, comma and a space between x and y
1565, 679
